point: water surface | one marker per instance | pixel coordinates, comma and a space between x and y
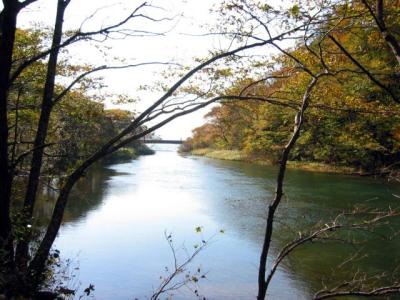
114, 227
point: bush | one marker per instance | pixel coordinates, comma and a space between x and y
142, 149
121, 155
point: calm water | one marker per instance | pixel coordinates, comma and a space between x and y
114, 227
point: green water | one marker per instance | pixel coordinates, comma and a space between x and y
115, 222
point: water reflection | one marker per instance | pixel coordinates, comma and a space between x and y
87, 195
117, 215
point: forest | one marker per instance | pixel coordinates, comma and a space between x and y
299, 82
351, 121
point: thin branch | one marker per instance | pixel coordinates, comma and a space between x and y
382, 291
166, 285
368, 73
328, 228
26, 153
300, 63
380, 22
101, 68
26, 3
74, 38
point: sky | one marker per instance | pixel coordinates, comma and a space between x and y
180, 42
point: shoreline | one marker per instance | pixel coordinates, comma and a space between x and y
237, 155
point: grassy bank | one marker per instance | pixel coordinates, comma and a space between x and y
220, 154
321, 167
238, 155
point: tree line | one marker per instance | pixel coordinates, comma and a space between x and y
351, 121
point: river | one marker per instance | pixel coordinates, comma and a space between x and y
113, 230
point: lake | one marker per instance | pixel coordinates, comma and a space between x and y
114, 227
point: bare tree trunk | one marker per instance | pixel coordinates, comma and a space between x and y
8, 23
262, 282
41, 133
37, 265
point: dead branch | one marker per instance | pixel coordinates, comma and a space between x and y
336, 293
327, 230
167, 284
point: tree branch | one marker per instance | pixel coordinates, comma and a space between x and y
380, 22
262, 281
101, 68
368, 73
327, 229
382, 291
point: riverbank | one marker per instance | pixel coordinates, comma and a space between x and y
237, 155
